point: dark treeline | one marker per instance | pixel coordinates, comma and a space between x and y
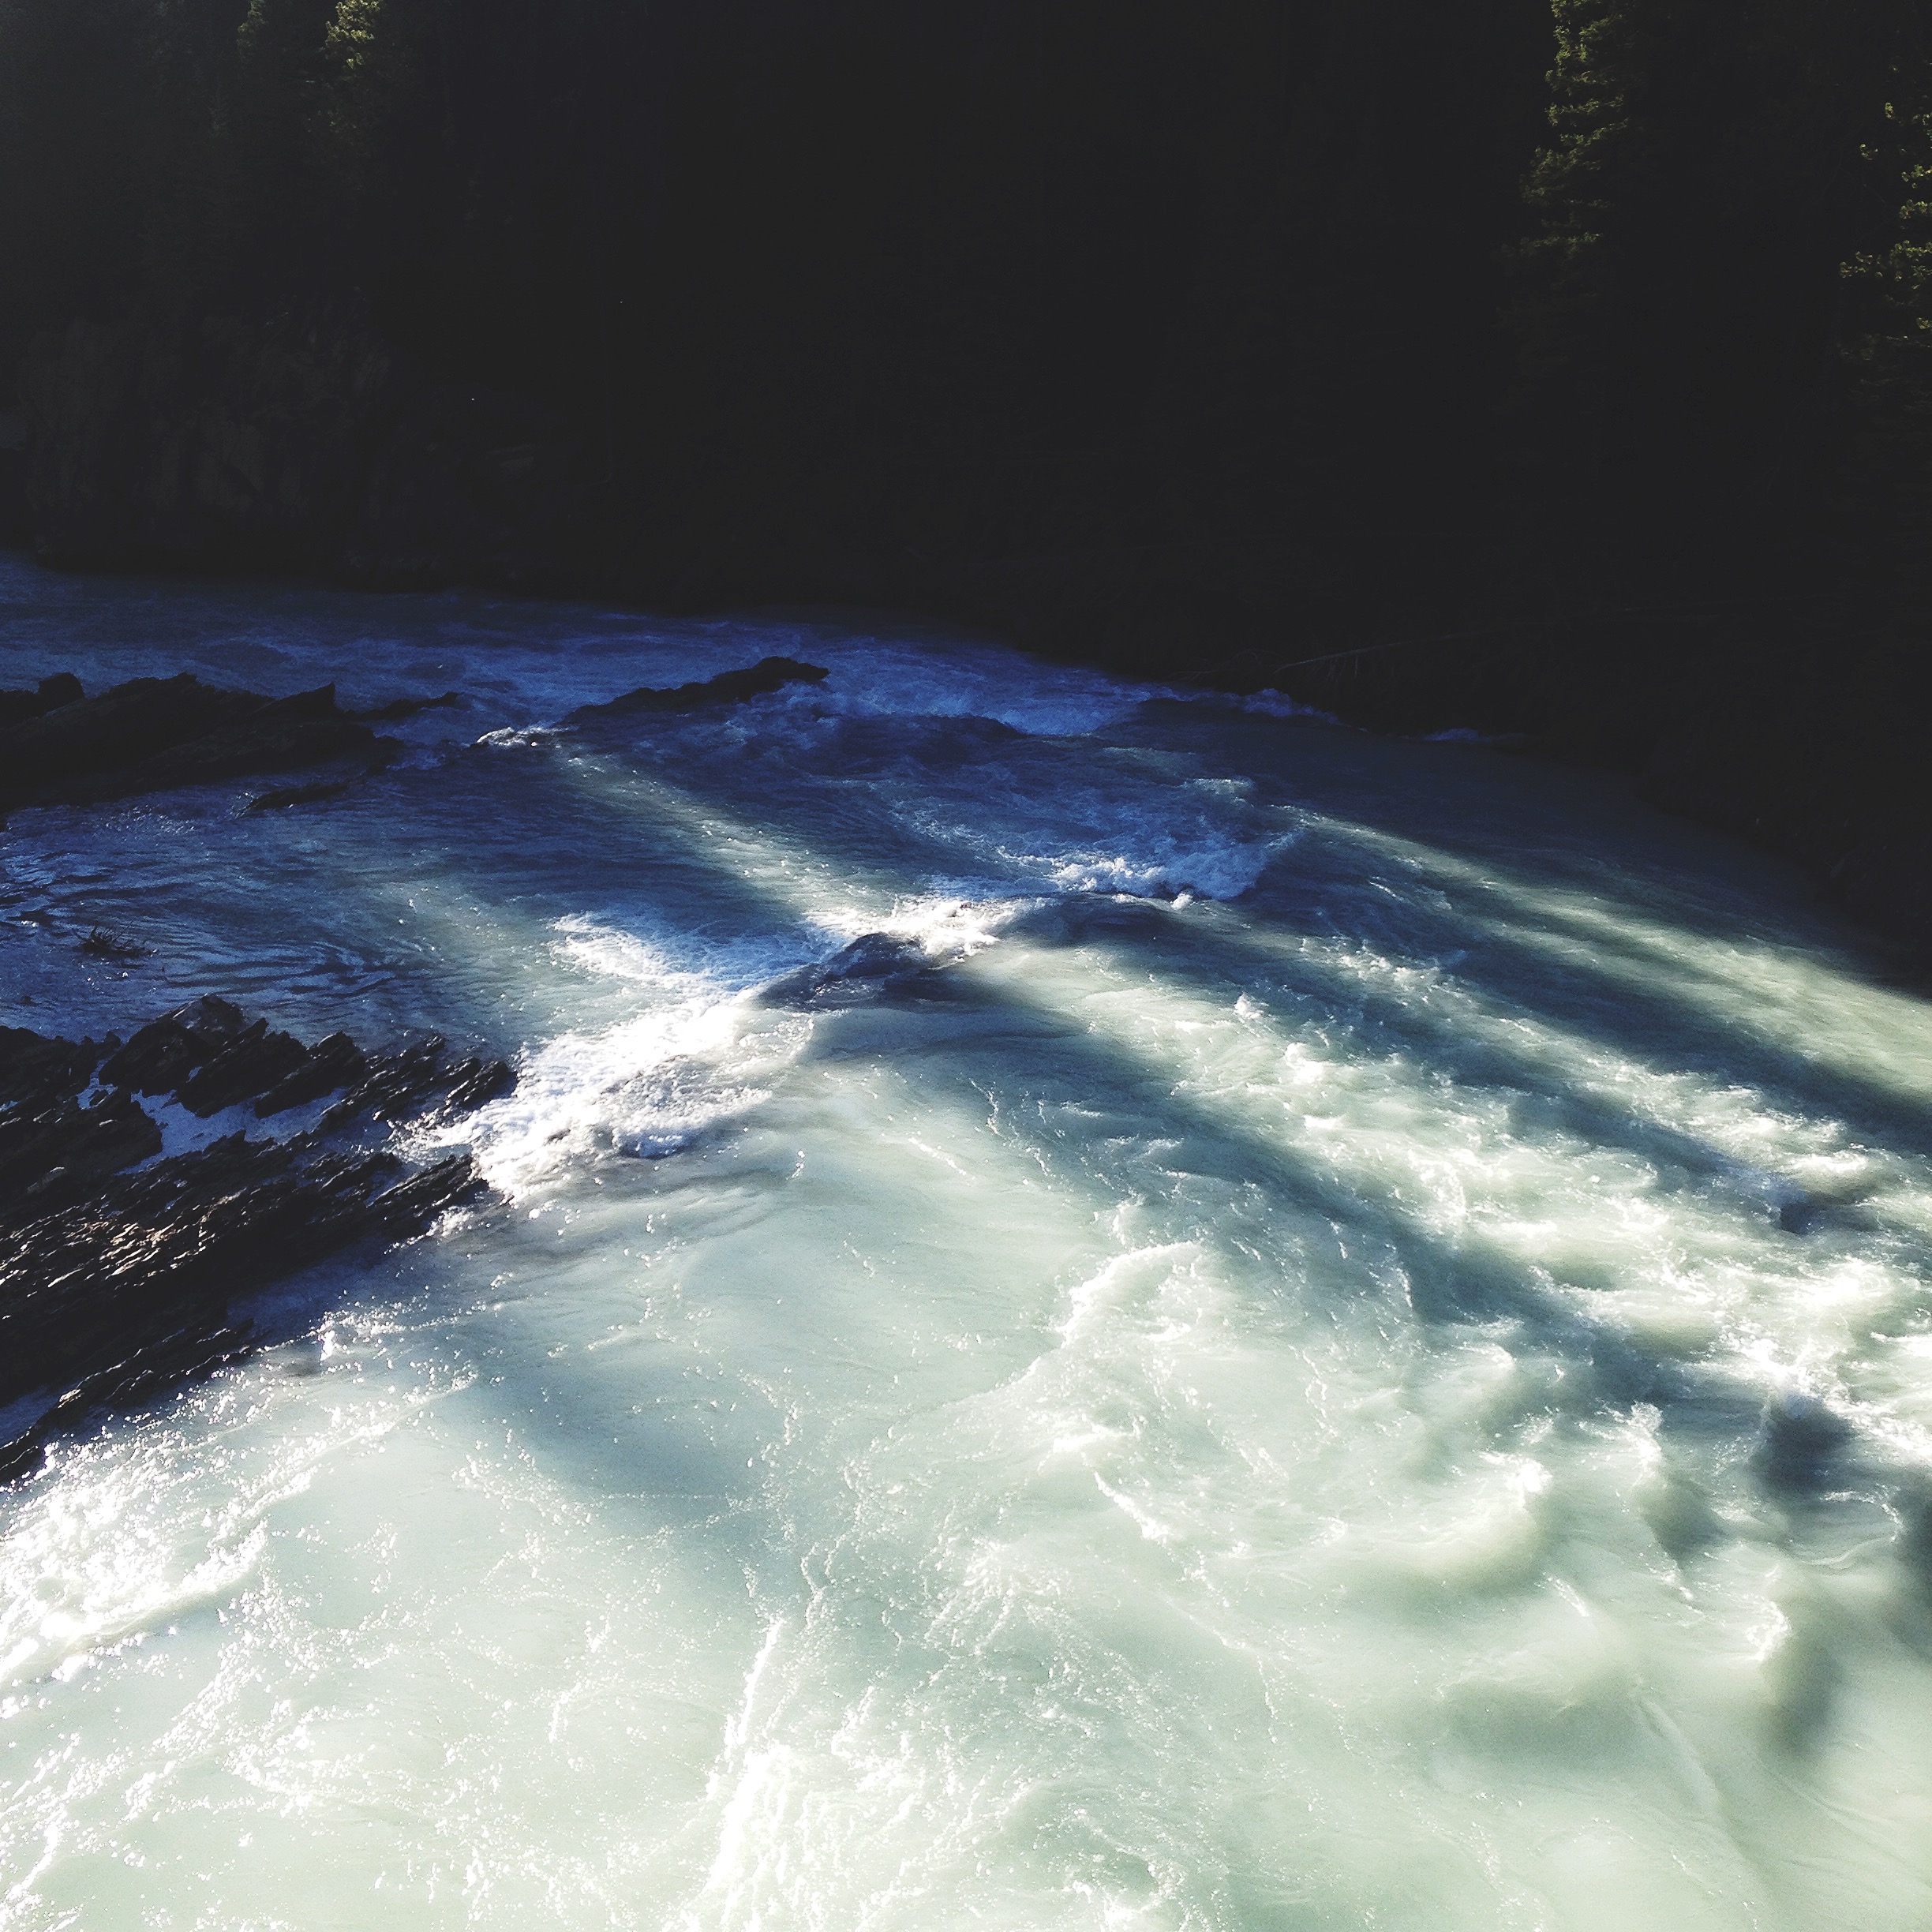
1016, 274
1229, 333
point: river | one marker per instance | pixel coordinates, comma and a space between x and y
1354, 1351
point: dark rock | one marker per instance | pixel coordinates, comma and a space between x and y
52, 1154
154, 1367
17, 706
252, 1065
211, 1019
93, 736
414, 1079
153, 734
286, 734
330, 1065
411, 1205
475, 1082
162, 1249
165, 1052
35, 1067
299, 795
160, 1056
872, 961
395, 1082
769, 674
118, 1270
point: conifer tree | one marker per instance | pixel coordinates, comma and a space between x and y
1890, 354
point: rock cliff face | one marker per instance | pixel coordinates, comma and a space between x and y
296, 439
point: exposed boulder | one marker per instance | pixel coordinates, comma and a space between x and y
250, 1065
327, 1067
166, 1052
91, 737
288, 734
34, 1067
51, 1154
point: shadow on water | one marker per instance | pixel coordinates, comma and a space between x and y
1447, 1284
1620, 971
650, 833
1492, 1056
1620, 995
1573, 999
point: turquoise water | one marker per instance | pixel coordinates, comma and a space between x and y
1354, 1350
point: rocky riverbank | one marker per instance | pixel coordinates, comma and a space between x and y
127, 1267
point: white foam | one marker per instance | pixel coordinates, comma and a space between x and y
1212, 872
698, 1054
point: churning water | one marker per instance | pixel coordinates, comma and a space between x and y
1354, 1350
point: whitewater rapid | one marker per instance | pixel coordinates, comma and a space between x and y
1344, 1340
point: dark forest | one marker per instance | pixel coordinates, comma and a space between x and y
1566, 370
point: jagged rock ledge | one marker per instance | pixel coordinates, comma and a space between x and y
59, 746
123, 1269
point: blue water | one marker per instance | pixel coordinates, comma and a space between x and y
1353, 1349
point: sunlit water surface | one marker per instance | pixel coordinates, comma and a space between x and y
1356, 1352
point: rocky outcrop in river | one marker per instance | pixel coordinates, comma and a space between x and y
59, 746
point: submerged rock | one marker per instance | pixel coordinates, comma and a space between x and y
286, 795
119, 1271
768, 674
398, 709
1798, 1441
